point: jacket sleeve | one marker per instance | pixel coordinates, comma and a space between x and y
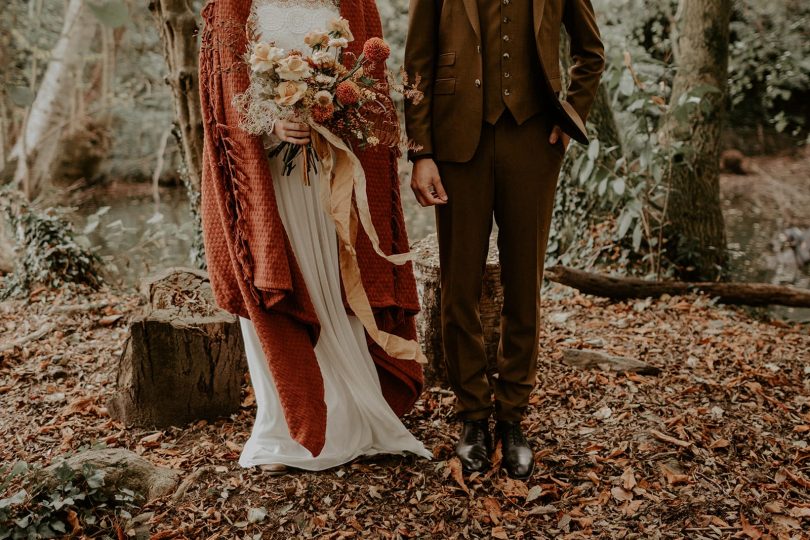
420, 55
587, 53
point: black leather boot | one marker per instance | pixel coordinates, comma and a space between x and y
474, 446
518, 458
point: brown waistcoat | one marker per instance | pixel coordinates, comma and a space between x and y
444, 49
512, 78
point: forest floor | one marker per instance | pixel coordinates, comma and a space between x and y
715, 446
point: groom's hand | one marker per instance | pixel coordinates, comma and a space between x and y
427, 184
558, 134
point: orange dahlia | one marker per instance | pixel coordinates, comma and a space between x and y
376, 50
323, 113
347, 93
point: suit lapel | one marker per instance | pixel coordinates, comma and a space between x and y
538, 15
472, 13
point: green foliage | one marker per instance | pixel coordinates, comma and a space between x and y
75, 502
48, 252
769, 54
769, 64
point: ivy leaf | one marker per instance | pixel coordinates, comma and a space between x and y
112, 13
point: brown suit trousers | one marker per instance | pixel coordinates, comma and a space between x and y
512, 176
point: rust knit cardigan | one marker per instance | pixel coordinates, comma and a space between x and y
252, 268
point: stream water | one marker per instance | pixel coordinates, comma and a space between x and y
137, 234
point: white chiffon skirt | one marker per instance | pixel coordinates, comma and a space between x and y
359, 421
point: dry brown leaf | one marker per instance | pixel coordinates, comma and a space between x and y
800, 511
787, 521
673, 474
720, 443
109, 320
493, 509
458, 474
670, 439
73, 521
621, 494
77, 405
628, 479
632, 507
515, 488
797, 478
775, 507
748, 529
151, 441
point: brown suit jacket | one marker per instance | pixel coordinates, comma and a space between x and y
444, 48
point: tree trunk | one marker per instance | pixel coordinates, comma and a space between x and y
696, 237
37, 146
178, 31
184, 359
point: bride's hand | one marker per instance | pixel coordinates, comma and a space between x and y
291, 132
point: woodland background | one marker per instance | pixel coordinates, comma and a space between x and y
699, 170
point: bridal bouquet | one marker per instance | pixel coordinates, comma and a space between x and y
318, 87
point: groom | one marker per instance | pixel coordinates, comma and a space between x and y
491, 136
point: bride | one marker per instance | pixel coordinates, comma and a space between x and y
325, 392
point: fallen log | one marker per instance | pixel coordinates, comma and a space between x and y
621, 288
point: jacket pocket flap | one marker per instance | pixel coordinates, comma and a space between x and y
446, 59
444, 86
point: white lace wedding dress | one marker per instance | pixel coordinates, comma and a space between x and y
359, 420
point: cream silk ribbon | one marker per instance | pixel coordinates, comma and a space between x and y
347, 183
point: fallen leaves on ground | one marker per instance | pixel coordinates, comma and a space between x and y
716, 446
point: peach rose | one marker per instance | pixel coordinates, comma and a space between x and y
340, 26
316, 39
293, 68
264, 56
290, 92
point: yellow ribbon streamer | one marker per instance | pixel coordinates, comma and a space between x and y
346, 182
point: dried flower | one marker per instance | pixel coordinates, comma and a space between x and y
323, 113
290, 92
324, 79
316, 40
293, 68
376, 50
372, 140
341, 27
339, 43
323, 98
347, 93
323, 58
264, 56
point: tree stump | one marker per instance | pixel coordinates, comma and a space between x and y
426, 268
184, 359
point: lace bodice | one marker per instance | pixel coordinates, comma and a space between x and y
286, 22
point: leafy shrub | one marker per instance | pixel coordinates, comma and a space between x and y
48, 251
75, 503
